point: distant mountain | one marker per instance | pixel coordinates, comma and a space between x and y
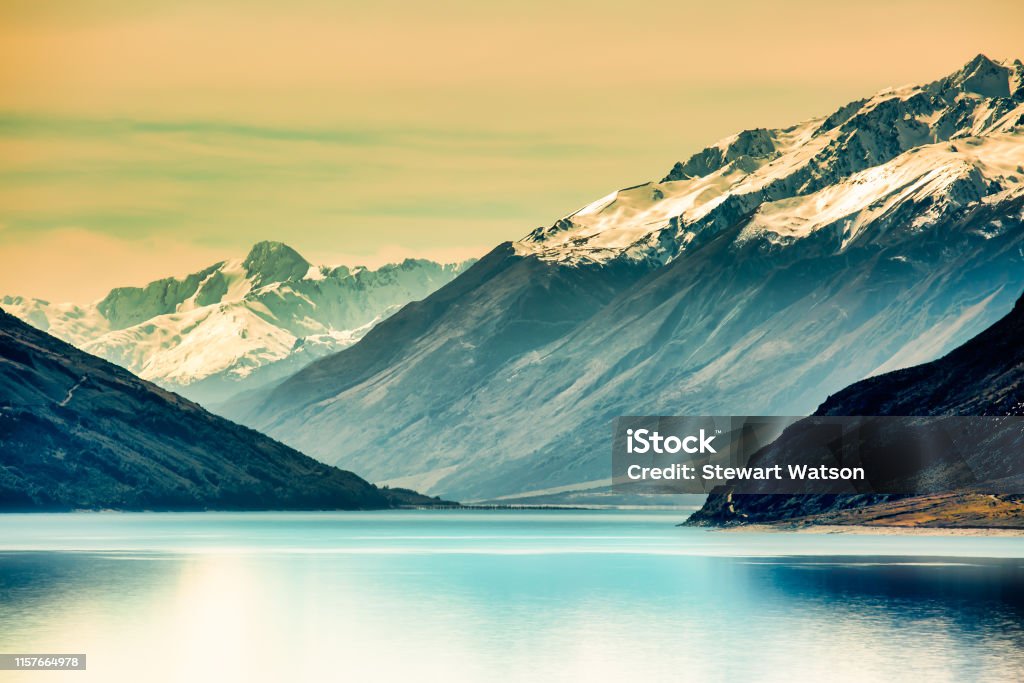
78, 432
760, 275
985, 376
238, 324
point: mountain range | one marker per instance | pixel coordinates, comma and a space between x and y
238, 324
77, 432
760, 275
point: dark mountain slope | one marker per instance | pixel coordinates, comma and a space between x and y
985, 376
79, 432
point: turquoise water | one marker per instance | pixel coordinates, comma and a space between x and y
504, 596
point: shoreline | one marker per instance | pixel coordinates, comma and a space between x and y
871, 530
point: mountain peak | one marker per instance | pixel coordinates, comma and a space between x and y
274, 262
980, 60
984, 77
754, 142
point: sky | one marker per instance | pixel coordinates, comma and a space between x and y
142, 139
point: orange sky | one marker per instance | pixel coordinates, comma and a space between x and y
156, 137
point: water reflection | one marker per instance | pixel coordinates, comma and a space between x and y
409, 614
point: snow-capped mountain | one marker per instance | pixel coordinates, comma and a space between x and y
838, 172
237, 324
757, 277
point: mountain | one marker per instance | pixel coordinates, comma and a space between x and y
763, 273
238, 324
985, 376
77, 432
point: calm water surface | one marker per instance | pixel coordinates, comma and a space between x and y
506, 596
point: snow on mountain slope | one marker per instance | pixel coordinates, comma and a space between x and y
761, 275
237, 324
73, 323
858, 151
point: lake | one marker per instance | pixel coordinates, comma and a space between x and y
501, 595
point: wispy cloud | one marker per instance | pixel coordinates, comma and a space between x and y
517, 142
